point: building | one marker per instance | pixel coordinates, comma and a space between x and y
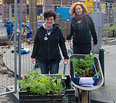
7, 7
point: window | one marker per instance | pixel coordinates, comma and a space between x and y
39, 9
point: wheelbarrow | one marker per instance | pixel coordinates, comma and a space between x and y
83, 91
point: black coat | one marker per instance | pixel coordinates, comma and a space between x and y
48, 50
83, 31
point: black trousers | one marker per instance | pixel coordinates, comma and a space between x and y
82, 49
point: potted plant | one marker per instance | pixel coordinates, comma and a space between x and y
36, 88
84, 70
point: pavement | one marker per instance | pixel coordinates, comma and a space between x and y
106, 93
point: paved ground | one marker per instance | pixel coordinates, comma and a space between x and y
5, 99
108, 91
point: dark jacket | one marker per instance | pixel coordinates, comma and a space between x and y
83, 31
48, 50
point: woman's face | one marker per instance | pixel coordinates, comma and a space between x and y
49, 21
78, 10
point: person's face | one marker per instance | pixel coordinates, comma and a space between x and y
7, 21
78, 10
49, 21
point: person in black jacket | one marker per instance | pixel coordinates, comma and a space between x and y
82, 28
48, 39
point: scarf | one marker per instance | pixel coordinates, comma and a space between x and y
79, 17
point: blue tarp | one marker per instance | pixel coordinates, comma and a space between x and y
23, 50
64, 12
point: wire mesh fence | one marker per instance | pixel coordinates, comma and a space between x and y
6, 76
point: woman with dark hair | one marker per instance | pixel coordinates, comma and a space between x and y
82, 28
48, 39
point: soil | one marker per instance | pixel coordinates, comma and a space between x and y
6, 76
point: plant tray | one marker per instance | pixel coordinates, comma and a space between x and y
27, 97
86, 81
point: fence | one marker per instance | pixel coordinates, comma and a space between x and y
7, 77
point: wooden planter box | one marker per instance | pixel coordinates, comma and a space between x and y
69, 95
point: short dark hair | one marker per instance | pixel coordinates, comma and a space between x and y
49, 13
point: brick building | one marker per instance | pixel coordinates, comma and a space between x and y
49, 4
6, 5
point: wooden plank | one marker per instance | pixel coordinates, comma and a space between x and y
84, 96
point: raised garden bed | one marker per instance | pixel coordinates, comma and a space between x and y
66, 95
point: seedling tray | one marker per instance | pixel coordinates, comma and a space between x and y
68, 95
85, 79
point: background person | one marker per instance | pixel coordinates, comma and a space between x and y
9, 27
82, 28
28, 30
48, 39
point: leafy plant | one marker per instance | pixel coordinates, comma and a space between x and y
41, 84
84, 66
112, 30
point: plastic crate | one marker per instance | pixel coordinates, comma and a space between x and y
27, 97
95, 79
70, 94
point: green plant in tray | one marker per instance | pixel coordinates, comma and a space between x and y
84, 67
41, 84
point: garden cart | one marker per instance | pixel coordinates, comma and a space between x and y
83, 91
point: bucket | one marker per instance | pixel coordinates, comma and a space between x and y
3, 39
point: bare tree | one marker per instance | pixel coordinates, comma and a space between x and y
33, 15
